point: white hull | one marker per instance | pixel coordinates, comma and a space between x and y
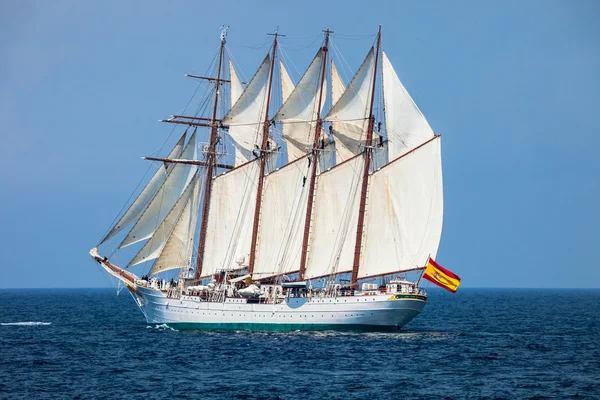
374, 312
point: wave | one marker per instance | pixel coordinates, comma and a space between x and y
27, 323
161, 327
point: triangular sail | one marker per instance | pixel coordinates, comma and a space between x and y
281, 227
236, 86
147, 193
246, 117
287, 85
230, 219
352, 109
337, 90
165, 197
405, 125
299, 113
154, 246
338, 87
403, 223
335, 215
179, 248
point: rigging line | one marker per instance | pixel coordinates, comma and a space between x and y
287, 61
211, 66
345, 66
236, 64
124, 207
287, 37
300, 47
253, 47
345, 223
204, 175
363, 36
241, 214
285, 258
148, 169
199, 84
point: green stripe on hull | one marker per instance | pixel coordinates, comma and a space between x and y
408, 296
281, 327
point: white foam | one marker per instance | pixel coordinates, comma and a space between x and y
161, 327
28, 323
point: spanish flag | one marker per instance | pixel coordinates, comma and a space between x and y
441, 276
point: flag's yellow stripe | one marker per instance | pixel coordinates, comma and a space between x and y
441, 277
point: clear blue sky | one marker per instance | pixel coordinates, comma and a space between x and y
512, 86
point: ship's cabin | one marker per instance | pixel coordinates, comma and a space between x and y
401, 286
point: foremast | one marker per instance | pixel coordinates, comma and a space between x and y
315, 162
367, 154
211, 163
263, 161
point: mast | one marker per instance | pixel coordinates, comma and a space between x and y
315, 161
368, 154
214, 123
263, 161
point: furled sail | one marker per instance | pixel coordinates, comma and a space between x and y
246, 117
230, 219
287, 85
165, 198
236, 86
403, 223
153, 247
335, 215
406, 126
281, 226
177, 251
146, 194
299, 113
353, 108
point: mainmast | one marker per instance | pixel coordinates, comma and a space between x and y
315, 161
211, 162
263, 161
368, 154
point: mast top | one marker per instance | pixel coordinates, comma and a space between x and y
276, 34
223, 30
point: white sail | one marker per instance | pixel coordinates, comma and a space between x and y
352, 109
246, 117
337, 90
154, 246
327, 153
177, 251
299, 113
236, 86
338, 87
403, 223
334, 221
147, 193
230, 219
165, 198
406, 126
287, 85
281, 225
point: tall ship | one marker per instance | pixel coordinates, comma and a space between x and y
313, 205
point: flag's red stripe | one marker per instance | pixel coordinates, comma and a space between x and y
432, 280
444, 270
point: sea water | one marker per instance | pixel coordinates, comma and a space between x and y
477, 343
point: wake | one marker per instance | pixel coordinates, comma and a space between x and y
28, 323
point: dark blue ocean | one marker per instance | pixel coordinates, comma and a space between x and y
513, 344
